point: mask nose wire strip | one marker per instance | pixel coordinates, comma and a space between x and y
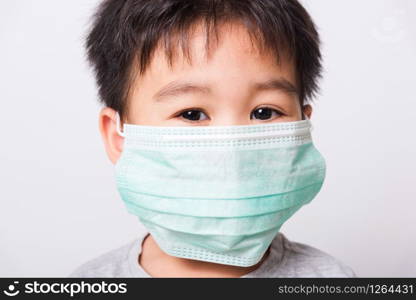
118, 128
302, 132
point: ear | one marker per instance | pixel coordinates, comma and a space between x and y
307, 110
113, 142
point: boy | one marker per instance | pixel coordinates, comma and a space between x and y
173, 70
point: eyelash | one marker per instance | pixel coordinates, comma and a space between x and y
179, 115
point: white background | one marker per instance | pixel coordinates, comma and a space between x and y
58, 201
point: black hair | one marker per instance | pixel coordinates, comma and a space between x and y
125, 33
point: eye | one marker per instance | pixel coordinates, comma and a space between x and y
265, 113
192, 115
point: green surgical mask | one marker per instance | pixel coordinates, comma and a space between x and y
218, 193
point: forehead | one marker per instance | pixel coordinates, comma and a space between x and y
229, 52
198, 45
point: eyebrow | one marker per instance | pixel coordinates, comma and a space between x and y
176, 88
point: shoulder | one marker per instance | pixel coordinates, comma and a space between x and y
113, 263
301, 260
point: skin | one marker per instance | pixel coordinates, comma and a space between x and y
229, 97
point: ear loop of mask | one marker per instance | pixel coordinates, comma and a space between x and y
305, 117
118, 126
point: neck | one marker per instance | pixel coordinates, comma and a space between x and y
159, 264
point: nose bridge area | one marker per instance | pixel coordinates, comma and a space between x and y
233, 105
229, 114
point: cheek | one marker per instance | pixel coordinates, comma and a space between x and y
148, 115
294, 112
152, 114
141, 111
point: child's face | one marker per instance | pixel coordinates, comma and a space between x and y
236, 86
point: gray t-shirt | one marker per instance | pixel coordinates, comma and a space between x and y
286, 259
